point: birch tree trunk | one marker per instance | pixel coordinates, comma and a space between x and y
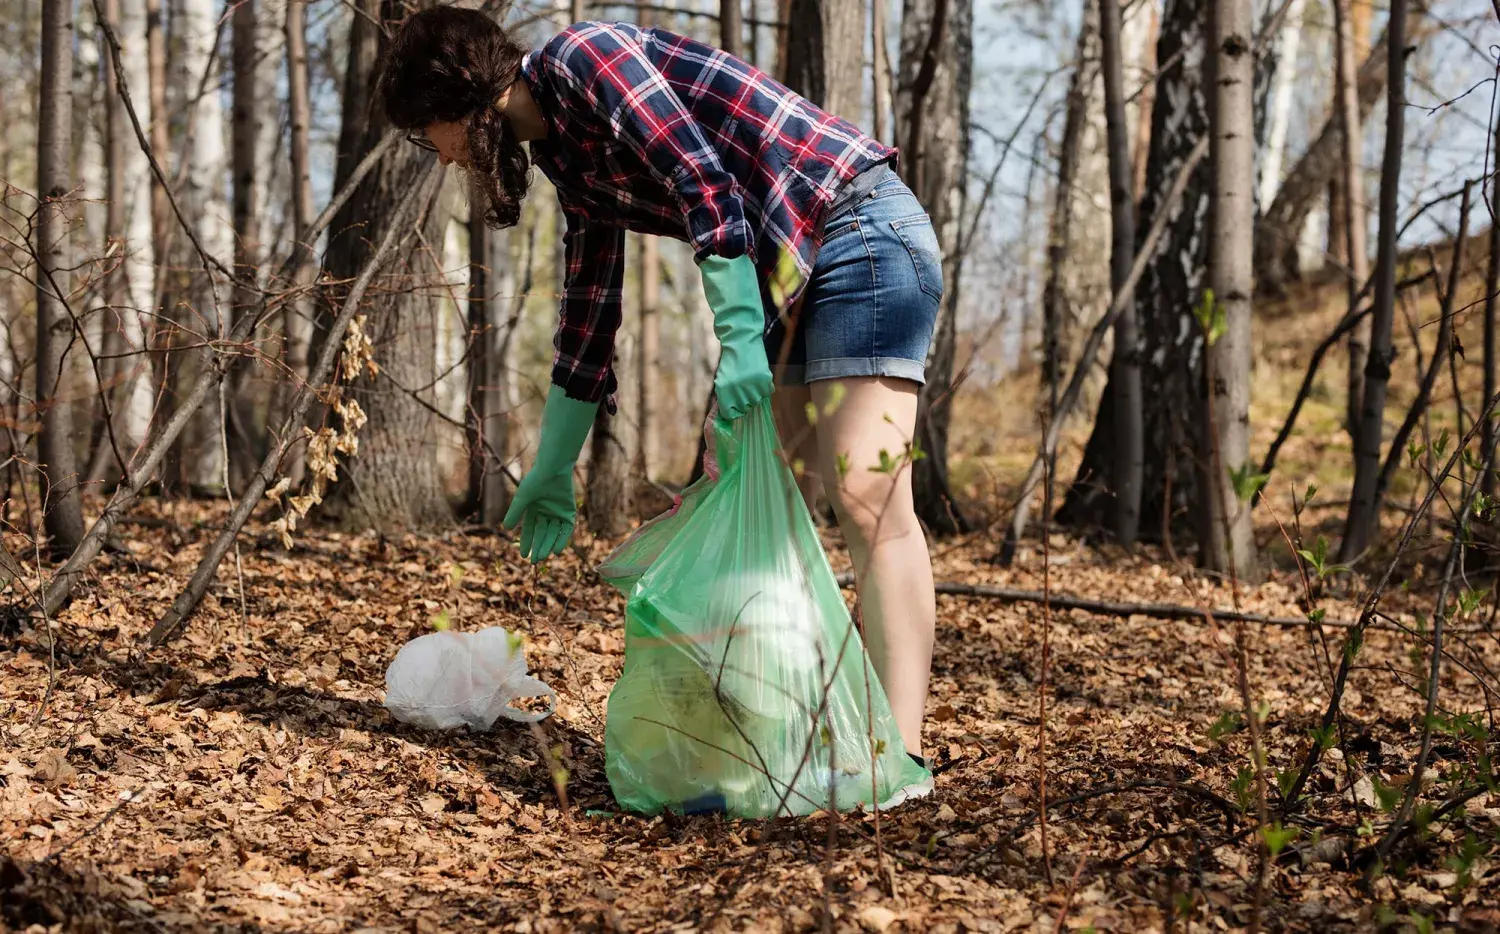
62, 507
1171, 345
135, 399
1306, 184
205, 313
1281, 102
1349, 223
1055, 314
1125, 367
114, 298
297, 318
1364, 505
1230, 543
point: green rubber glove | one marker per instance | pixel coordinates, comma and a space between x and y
733, 292
544, 503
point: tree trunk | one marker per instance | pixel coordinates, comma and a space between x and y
880, 67
480, 366
1491, 295
648, 359
1281, 102
1170, 341
1229, 544
393, 483
248, 181
825, 60
506, 307
1125, 367
1364, 508
62, 505
783, 47
609, 497
297, 316
1055, 314
1282, 222
130, 287
932, 109
115, 297
205, 313
731, 27
1350, 223
156, 84
1145, 105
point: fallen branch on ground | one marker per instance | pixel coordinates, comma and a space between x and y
1116, 608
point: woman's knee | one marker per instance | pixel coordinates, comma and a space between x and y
874, 507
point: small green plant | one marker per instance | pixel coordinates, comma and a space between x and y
1307, 498
1241, 787
1277, 837
1247, 482
1324, 736
1470, 600
1463, 859
1420, 923
1354, 644
1229, 722
1211, 317
1317, 558
1414, 451
1387, 795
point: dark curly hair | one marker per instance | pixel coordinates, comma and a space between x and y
448, 64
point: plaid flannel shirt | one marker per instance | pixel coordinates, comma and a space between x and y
654, 132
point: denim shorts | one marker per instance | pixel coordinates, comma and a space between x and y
872, 301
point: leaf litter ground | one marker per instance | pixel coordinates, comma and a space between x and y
247, 778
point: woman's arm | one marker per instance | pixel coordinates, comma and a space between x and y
604, 71
585, 338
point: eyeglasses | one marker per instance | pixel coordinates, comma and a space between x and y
421, 141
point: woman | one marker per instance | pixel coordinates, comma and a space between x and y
812, 251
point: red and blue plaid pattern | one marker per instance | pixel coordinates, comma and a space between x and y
654, 132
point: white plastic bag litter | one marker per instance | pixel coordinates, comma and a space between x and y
448, 679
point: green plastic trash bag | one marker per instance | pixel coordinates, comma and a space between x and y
746, 686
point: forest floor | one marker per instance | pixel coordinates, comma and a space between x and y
246, 776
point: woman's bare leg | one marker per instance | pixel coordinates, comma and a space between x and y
789, 405
858, 419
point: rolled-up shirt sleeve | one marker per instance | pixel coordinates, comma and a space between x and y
585, 338
610, 75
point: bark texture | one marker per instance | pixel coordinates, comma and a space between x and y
1125, 366
825, 58
1229, 543
1364, 504
932, 110
62, 503
1281, 224
1171, 344
394, 482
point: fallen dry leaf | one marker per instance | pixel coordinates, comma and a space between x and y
52, 767
877, 917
